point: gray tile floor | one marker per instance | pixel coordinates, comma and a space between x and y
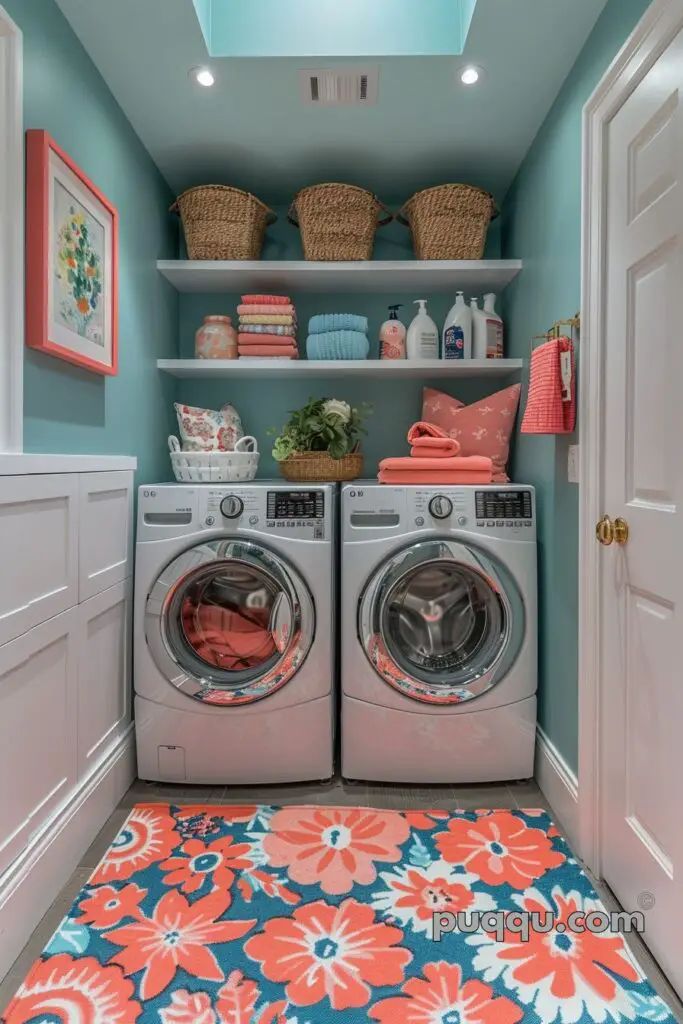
525, 794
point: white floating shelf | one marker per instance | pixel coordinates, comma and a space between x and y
396, 276
282, 369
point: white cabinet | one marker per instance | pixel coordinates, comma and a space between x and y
66, 567
38, 678
105, 534
104, 672
38, 550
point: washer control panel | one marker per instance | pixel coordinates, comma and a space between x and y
296, 504
503, 504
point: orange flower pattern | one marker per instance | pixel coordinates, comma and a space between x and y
307, 915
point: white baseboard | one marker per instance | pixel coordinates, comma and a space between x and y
31, 883
559, 785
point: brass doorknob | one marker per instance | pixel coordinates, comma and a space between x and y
607, 531
604, 531
620, 530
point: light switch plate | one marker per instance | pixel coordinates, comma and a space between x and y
573, 464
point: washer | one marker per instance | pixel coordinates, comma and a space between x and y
438, 633
234, 632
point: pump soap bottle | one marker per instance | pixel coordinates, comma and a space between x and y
392, 336
494, 328
423, 336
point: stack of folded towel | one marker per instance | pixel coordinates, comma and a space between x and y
337, 336
267, 327
434, 459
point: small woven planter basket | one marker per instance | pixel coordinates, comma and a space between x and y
337, 222
321, 467
222, 223
449, 222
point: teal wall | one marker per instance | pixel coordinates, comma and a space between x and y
542, 226
67, 409
265, 404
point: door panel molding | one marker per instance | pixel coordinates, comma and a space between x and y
660, 25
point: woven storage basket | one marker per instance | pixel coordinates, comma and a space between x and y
321, 467
222, 223
337, 222
449, 222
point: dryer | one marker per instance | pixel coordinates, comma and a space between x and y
234, 632
438, 633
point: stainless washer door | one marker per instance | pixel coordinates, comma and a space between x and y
229, 622
441, 622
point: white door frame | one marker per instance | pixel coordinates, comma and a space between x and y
11, 237
659, 26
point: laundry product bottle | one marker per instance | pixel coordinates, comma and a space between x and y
479, 338
457, 330
392, 336
423, 336
494, 328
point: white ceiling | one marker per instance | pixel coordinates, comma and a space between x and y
252, 130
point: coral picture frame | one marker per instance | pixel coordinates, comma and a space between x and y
71, 260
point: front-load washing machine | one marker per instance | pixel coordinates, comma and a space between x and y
234, 632
438, 633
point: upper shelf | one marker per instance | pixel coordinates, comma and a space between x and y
281, 369
417, 276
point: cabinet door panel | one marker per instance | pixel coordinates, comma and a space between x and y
38, 679
104, 674
105, 531
38, 550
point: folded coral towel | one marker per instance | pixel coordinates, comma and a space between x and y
429, 440
436, 447
271, 351
249, 309
266, 300
268, 318
284, 329
254, 340
453, 477
551, 402
337, 322
427, 464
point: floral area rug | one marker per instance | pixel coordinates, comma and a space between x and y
309, 915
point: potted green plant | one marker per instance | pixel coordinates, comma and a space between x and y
321, 441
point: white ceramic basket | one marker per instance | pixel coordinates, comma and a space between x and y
215, 467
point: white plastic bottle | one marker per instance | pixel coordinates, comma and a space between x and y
423, 336
457, 330
478, 330
494, 329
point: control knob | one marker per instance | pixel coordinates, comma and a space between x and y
440, 507
232, 507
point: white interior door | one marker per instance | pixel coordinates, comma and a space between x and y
641, 798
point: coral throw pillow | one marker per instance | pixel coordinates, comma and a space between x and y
483, 428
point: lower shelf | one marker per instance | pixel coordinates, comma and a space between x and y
384, 368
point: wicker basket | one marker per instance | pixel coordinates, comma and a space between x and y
449, 222
337, 222
222, 223
321, 467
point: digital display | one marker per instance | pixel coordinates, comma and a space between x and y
296, 504
503, 504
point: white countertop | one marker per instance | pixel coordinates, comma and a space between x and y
23, 464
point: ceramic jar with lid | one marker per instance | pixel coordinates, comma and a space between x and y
216, 339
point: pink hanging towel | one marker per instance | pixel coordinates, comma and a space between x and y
551, 402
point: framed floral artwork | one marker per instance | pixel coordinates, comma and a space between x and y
71, 260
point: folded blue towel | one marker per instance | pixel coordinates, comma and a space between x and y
337, 322
338, 345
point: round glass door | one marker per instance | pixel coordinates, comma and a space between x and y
441, 622
229, 622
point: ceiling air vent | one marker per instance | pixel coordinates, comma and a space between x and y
339, 87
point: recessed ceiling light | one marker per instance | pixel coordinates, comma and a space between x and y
203, 76
470, 75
